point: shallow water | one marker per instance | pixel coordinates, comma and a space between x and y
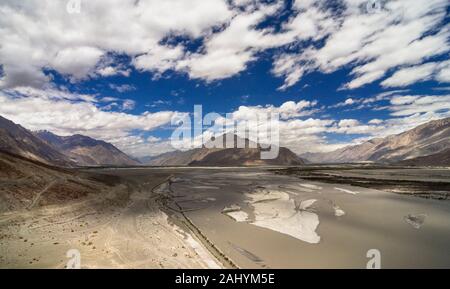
290, 223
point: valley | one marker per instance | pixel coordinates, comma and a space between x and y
178, 217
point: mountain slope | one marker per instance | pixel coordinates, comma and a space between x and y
27, 183
18, 140
86, 151
425, 140
439, 159
225, 156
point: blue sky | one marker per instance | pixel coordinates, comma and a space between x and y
339, 71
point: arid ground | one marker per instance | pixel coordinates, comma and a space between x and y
312, 217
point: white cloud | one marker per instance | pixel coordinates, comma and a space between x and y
66, 113
372, 43
376, 121
419, 73
228, 52
76, 62
411, 105
122, 88
37, 36
159, 59
443, 75
347, 102
287, 110
70, 114
153, 139
128, 104
111, 71
348, 123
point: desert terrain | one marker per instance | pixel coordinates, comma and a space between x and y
265, 217
119, 226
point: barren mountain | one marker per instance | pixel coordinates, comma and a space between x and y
26, 183
429, 139
18, 140
248, 156
439, 159
86, 151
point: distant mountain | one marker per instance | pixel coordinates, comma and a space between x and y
432, 138
19, 141
225, 156
86, 151
175, 158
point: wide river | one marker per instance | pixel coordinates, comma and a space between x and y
263, 220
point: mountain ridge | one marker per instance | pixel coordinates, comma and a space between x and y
427, 139
207, 155
87, 151
18, 140
51, 149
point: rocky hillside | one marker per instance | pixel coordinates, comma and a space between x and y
26, 184
86, 151
441, 159
18, 140
432, 138
225, 156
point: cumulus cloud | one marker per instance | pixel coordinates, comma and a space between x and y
37, 36
402, 33
287, 110
228, 52
69, 114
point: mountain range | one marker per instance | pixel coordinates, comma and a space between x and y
20, 141
250, 155
86, 151
64, 151
427, 144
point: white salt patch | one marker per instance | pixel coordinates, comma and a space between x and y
347, 191
238, 216
306, 204
301, 225
279, 213
234, 212
311, 186
232, 208
338, 212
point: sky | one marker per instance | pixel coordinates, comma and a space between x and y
338, 72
